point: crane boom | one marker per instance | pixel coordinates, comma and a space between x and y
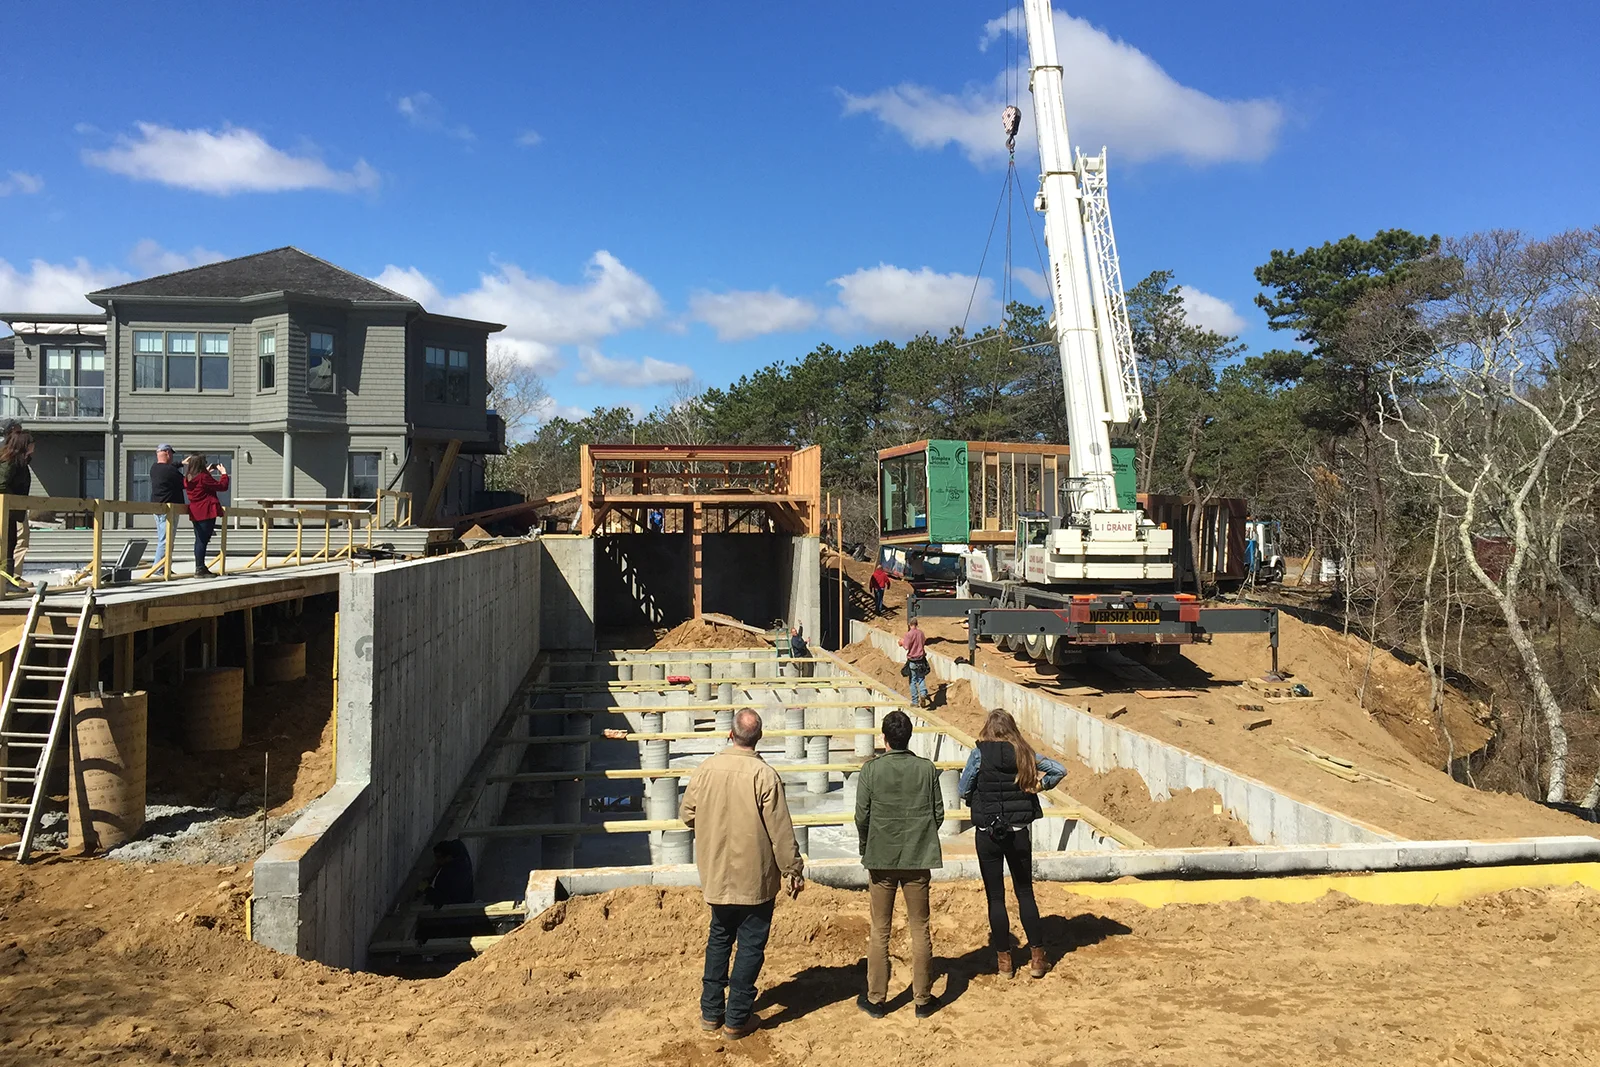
1098, 372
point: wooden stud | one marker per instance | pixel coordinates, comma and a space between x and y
249, 646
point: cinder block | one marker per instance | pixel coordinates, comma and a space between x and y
581, 883
675, 874
1073, 867
1229, 861
1566, 849
1495, 853
1415, 854
543, 892
1143, 863
1363, 857
1291, 860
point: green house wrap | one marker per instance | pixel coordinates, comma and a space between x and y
1123, 477
948, 514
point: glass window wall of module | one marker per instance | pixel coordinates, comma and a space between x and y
903, 494
446, 375
364, 473
182, 361
319, 362
74, 384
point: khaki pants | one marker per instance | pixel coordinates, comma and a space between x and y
914, 885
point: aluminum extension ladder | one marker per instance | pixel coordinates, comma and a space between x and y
33, 724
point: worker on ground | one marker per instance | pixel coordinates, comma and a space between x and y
898, 813
166, 487
916, 668
1001, 783
16, 479
880, 583
799, 650
202, 482
745, 849
450, 883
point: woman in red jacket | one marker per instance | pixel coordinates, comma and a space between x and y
202, 488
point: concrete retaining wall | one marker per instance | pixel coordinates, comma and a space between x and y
1270, 816
566, 617
430, 654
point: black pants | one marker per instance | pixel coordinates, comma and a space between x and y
202, 536
749, 925
13, 531
1016, 853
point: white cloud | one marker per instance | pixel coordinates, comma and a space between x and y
1210, 312
542, 314
230, 160
741, 314
605, 370
149, 258
902, 302
423, 111
55, 286
19, 181
548, 409
1116, 96
1032, 281
528, 138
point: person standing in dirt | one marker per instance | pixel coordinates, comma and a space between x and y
166, 487
880, 584
898, 813
202, 483
916, 668
745, 849
1001, 783
16, 479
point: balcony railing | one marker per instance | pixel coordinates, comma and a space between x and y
56, 402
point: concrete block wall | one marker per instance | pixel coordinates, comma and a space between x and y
1271, 816
430, 654
567, 606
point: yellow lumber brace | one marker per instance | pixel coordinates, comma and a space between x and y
637, 826
1445, 888
633, 773
721, 706
694, 735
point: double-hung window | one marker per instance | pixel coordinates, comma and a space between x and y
319, 362
181, 361
364, 471
445, 375
267, 361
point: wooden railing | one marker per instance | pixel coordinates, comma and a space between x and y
161, 571
402, 508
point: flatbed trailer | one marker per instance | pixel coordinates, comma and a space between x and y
1060, 626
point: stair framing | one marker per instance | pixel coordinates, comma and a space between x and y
22, 725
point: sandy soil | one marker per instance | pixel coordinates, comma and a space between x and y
147, 965
693, 634
1190, 818
1385, 739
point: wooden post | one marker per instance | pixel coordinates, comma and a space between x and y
122, 662
695, 545
222, 546
447, 465
299, 536
172, 536
209, 654
94, 552
266, 525
249, 646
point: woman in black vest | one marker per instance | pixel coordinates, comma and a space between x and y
1001, 783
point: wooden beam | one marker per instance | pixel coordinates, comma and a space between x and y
249, 646
447, 466
696, 550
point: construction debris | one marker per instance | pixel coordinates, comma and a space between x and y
1340, 767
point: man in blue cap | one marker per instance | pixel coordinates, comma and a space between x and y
166, 487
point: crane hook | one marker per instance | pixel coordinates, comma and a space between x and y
1011, 119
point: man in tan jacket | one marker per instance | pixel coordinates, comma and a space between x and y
745, 848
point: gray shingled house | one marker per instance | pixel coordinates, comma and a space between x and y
305, 379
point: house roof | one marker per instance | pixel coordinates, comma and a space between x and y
282, 270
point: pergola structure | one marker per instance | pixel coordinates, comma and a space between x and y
699, 489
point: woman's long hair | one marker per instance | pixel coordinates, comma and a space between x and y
18, 446
1000, 726
193, 464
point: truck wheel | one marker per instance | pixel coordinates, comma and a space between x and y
1034, 646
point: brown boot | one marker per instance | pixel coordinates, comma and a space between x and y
1003, 963
1039, 965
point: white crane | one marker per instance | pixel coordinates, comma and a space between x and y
1098, 542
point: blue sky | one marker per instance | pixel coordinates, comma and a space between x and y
655, 193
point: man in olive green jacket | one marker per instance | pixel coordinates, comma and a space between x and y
898, 813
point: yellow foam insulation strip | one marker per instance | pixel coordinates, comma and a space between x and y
1445, 888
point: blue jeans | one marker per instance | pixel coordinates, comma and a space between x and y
877, 600
919, 685
749, 925
161, 538
202, 536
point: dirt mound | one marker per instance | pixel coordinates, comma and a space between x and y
116, 964
697, 634
1189, 819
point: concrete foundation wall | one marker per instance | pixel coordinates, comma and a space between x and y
804, 579
1271, 817
566, 614
642, 579
430, 654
